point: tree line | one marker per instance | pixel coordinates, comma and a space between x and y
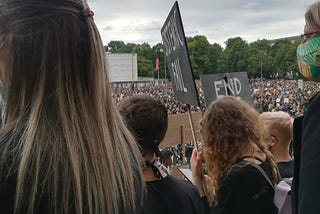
261, 58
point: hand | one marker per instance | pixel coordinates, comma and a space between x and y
197, 173
196, 166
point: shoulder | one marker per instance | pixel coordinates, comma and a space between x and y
286, 163
173, 188
170, 182
170, 194
310, 123
239, 171
313, 104
243, 176
315, 98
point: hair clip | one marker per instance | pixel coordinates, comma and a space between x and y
88, 12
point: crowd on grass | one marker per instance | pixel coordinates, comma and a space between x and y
267, 95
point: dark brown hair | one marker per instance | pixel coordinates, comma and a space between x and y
147, 118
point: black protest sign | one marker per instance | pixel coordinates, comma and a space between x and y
233, 84
177, 57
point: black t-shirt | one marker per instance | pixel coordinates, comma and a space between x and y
172, 196
244, 190
286, 169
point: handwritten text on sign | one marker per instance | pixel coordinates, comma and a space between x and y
222, 84
222, 88
177, 58
170, 35
177, 75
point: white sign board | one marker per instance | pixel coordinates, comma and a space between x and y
122, 67
300, 84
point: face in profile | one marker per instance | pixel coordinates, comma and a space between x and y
168, 161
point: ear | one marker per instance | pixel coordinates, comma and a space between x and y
273, 141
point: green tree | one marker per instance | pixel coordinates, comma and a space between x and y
293, 65
145, 60
284, 59
234, 58
115, 46
259, 59
200, 52
145, 67
214, 56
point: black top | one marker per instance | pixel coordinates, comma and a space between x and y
286, 169
309, 185
244, 190
297, 134
172, 196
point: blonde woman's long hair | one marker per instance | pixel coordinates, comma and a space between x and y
228, 126
61, 136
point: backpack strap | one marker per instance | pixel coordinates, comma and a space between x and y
252, 157
260, 160
262, 172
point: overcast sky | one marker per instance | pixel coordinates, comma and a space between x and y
139, 21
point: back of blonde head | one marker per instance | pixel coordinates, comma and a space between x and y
278, 124
61, 136
228, 127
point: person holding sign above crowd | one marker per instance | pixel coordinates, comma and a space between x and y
63, 146
241, 173
147, 118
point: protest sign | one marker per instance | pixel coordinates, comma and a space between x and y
223, 84
177, 58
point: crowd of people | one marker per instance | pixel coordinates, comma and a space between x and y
64, 148
267, 95
282, 95
162, 92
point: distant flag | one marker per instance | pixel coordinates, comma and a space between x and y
157, 64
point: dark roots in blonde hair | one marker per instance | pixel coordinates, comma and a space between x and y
71, 146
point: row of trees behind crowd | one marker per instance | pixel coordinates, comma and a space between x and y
259, 58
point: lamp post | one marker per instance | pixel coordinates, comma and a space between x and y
260, 66
261, 86
165, 65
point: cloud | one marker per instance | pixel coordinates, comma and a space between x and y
141, 20
108, 28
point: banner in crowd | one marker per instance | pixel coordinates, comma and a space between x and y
223, 84
300, 84
177, 57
